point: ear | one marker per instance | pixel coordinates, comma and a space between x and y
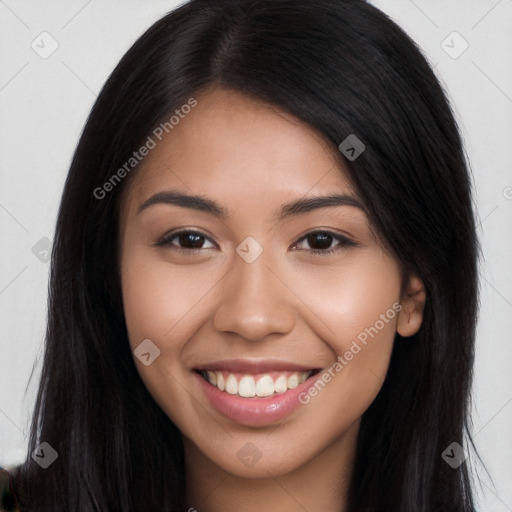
410, 316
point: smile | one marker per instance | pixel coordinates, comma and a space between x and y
256, 385
252, 393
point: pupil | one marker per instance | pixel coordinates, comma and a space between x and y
191, 240
320, 240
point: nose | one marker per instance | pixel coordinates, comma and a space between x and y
255, 302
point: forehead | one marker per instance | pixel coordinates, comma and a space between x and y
234, 147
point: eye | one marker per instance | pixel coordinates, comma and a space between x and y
186, 240
321, 242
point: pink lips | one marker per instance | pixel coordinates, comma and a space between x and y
253, 366
253, 412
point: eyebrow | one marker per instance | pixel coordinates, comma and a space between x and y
201, 203
312, 203
195, 202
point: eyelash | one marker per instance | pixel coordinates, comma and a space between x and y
343, 241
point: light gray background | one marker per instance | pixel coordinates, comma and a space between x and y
44, 103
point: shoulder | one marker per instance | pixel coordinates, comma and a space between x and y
8, 501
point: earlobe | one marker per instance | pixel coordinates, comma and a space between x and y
413, 303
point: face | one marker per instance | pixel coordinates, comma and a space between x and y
271, 313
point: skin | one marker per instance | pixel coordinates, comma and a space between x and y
290, 303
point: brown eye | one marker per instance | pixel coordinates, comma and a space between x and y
194, 240
321, 242
185, 240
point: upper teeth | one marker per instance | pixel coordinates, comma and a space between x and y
249, 386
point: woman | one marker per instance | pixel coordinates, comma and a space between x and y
263, 286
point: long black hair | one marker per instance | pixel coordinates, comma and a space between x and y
342, 67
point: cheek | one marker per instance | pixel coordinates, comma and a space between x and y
353, 296
158, 296
358, 305
163, 303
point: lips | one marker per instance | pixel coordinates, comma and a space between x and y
253, 366
254, 393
